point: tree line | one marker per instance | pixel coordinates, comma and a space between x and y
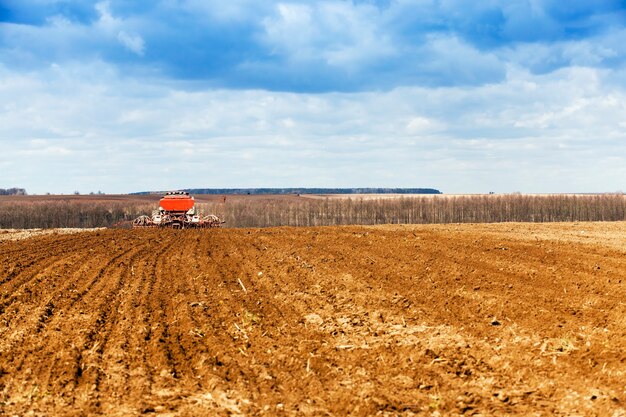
55, 214
332, 211
424, 210
317, 191
12, 191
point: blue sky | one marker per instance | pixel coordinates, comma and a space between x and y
466, 97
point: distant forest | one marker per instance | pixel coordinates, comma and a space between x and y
268, 191
24, 213
12, 191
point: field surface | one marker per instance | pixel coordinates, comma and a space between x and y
493, 319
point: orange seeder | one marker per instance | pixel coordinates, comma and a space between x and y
177, 211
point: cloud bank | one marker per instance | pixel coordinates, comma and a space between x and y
326, 46
494, 96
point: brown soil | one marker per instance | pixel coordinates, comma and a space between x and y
507, 319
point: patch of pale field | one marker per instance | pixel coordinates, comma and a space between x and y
607, 234
373, 196
397, 196
18, 234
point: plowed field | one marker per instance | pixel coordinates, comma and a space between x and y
428, 320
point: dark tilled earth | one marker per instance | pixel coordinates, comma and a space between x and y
506, 319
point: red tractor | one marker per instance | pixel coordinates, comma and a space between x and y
177, 211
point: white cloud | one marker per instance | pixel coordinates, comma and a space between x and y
338, 33
133, 43
450, 58
420, 124
106, 21
592, 52
113, 27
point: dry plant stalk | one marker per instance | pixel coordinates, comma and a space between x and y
281, 211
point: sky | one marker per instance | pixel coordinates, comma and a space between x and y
463, 96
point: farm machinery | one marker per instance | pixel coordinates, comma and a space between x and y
177, 211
